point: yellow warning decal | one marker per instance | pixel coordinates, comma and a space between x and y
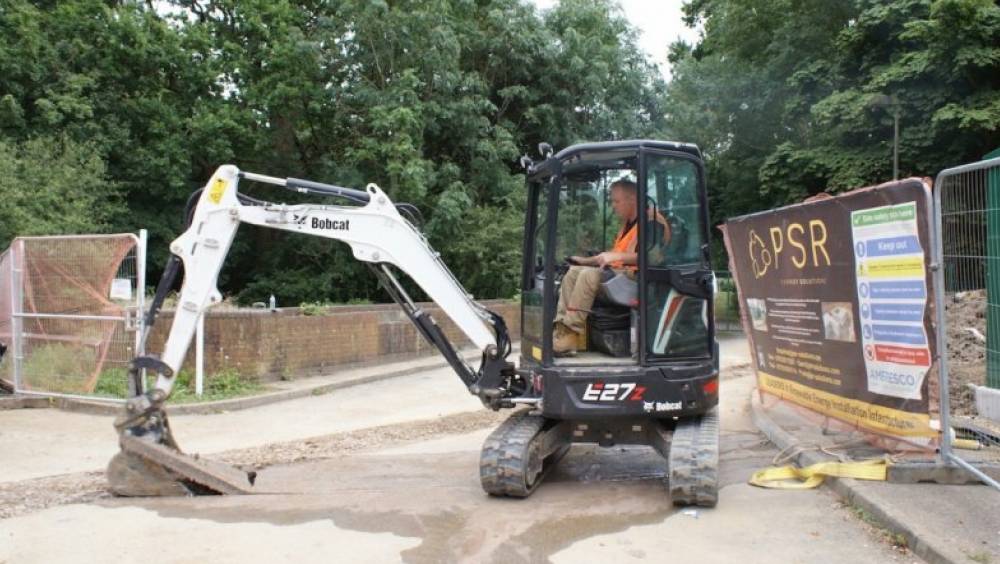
537, 353
862, 414
893, 267
217, 190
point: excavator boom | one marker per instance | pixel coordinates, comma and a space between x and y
150, 461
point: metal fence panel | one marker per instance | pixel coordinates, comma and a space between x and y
967, 288
75, 304
6, 329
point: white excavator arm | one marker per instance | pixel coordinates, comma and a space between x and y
377, 234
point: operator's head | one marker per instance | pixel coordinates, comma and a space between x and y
623, 199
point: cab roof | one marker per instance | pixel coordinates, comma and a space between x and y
612, 146
583, 154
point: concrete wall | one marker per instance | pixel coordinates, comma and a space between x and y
284, 343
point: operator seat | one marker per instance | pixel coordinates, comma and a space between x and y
610, 321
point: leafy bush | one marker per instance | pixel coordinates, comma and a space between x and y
314, 308
225, 384
53, 185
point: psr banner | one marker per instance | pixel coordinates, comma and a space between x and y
836, 297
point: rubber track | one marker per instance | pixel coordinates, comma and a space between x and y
694, 461
510, 463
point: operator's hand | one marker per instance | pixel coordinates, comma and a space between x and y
606, 258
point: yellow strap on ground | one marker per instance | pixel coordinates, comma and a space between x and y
793, 478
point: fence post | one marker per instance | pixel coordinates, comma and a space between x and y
938, 269
15, 320
199, 356
140, 303
993, 274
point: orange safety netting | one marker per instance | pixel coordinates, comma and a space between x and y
61, 285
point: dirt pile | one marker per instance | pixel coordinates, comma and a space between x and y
966, 347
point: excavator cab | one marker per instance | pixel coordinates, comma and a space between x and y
646, 371
650, 330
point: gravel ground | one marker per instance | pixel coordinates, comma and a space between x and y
330, 446
20, 498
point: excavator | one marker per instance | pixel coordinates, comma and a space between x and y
646, 370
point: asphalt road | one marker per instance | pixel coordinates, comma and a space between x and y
419, 500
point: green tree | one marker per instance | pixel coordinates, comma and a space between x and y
780, 93
53, 185
432, 100
136, 87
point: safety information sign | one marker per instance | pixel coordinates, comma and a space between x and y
892, 295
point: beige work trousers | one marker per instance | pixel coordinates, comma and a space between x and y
576, 296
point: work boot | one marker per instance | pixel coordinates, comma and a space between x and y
564, 340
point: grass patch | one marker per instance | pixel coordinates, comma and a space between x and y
112, 383
226, 384
58, 368
223, 385
314, 308
65, 369
322, 308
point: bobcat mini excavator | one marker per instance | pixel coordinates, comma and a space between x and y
647, 370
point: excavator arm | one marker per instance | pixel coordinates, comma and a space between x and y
378, 235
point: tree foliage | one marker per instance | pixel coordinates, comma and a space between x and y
51, 186
782, 94
124, 107
434, 100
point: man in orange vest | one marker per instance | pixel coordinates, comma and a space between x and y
582, 281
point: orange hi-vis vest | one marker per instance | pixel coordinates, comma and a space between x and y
625, 242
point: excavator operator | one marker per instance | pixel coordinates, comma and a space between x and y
583, 280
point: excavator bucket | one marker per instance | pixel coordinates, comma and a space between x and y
151, 464
144, 468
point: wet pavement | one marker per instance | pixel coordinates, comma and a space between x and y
421, 502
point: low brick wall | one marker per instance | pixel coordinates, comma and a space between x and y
284, 343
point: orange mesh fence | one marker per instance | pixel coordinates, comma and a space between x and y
75, 295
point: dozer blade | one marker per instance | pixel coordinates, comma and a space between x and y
144, 468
